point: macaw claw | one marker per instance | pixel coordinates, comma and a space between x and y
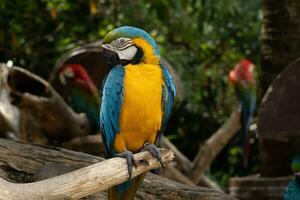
128, 155
153, 150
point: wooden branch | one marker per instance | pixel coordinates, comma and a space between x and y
171, 172
91, 144
206, 182
213, 146
257, 187
9, 114
185, 166
157, 188
44, 114
184, 162
84, 181
23, 163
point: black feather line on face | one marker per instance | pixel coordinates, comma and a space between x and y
138, 56
121, 44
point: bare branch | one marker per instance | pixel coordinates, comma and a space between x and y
184, 162
84, 181
213, 146
206, 182
173, 173
186, 166
91, 144
9, 114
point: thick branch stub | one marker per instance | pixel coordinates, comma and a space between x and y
44, 114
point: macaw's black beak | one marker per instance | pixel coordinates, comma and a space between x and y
110, 57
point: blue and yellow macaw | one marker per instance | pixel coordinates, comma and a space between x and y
137, 99
243, 79
292, 191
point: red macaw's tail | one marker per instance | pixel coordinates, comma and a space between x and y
247, 151
127, 190
246, 146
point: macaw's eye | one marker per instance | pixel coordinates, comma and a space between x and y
121, 44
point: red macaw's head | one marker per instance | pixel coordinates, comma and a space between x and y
73, 72
242, 72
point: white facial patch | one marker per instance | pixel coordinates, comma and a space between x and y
69, 73
62, 79
128, 53
123, 47
66, 73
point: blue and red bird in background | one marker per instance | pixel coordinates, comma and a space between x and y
85, 95
137, 99
243, 80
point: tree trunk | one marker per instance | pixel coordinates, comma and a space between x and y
280, 47
280, 37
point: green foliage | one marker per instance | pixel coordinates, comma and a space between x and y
201, 38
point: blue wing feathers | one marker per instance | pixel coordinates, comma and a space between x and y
248, 106
292, 191
84, 102
247, 103
168, 96
111, 104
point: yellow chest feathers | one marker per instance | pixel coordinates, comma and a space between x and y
141, 113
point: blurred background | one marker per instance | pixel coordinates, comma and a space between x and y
201, 39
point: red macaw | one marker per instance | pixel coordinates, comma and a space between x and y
243, 79
85, 95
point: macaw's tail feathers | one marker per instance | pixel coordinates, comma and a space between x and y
246, 146
126, 190
292, 191
246, 151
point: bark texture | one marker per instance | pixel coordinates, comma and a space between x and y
280, 37
280, 46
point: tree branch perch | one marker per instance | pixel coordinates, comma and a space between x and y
84, 181
25, 163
